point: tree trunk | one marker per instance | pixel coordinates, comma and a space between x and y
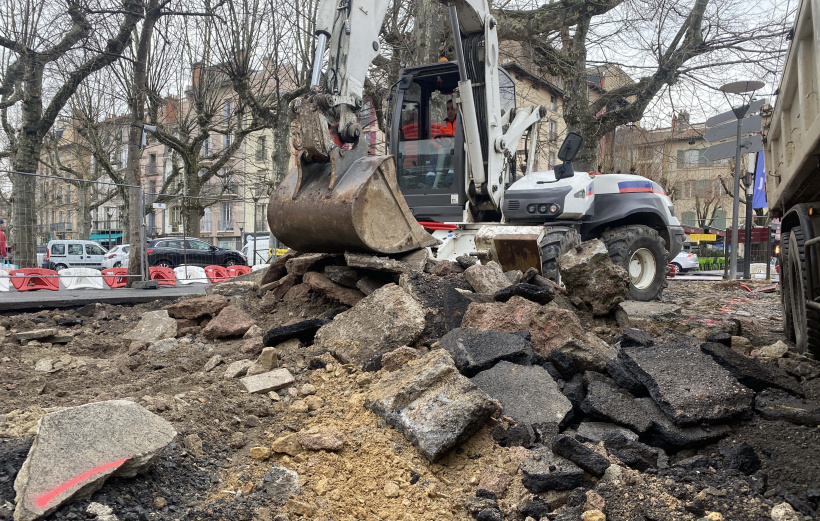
136, 212
432, 25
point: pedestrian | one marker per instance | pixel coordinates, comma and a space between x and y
3, 252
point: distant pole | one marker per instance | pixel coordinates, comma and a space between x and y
747, 247
739, 113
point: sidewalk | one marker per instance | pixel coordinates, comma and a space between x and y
43, 299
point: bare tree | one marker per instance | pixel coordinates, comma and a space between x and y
663, 42
54, 45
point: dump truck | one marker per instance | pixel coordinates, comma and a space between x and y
791, 131
463, 179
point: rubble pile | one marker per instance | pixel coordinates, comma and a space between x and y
362, 387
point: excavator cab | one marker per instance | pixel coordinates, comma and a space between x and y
429, 151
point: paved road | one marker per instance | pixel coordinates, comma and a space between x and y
44, 299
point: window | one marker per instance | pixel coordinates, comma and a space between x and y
261, 217
152, 164
75, 249
552, 160
688, 219
123, 157
60, 199
59, 216
197, 245
690, 158
366, 115
93, 249
58, 249
225, 220
719, 220
553, 135
206, 147
553, 102
262, 148
228, 109
176, 216
68, 194
228, 138
205, 222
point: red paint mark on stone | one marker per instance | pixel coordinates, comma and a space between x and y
46, 498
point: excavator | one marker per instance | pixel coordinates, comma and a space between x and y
461, 180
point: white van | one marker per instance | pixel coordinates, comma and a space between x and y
263, 251
69, 253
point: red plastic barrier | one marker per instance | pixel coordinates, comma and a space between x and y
673, 270
163, 276
216, 273
115, 277
235, 271
28, 279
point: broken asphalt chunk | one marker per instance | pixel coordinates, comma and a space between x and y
581, 455
385, 320
198, 307
431, 404
774, 404
665, 433
751, 372
527, 291
543, 470
606, 401
528, 394
304, 331
76, 449
475, 350
688, 385
270, 381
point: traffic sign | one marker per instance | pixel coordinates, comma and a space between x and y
729, 130
159, 206
702, 237
758, 235
729, 115
748, 145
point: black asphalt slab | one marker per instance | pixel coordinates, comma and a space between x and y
44, 299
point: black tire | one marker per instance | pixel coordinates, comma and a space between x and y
642, 248
164, 264
557, 241
785, 288
678, 267
118, 264
231, 262
60, 267
805, 319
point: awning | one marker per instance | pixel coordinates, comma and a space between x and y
104, 236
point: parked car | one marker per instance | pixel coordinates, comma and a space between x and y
685, 261
117, 257
41, 254
171, 252
70, 253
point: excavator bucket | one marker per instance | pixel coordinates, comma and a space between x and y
332, 208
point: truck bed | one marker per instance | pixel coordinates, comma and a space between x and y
792, 139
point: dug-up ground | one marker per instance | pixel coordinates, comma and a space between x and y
552, 403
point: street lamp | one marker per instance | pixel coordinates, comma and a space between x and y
741, 88
241, 225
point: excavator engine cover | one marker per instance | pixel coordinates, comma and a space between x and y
333, 207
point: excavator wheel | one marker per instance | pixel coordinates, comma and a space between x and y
557, 241
642, 252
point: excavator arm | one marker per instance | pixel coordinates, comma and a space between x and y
337, 199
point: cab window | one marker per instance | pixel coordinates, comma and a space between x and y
93, 249
58, 249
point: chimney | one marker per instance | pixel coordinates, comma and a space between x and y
674, 123
197, 68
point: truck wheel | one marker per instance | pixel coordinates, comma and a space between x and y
557, 241
642, 252
785, 288
805, 318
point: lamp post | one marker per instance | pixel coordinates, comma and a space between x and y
109, 211
256, 193
241, 225
740, 88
